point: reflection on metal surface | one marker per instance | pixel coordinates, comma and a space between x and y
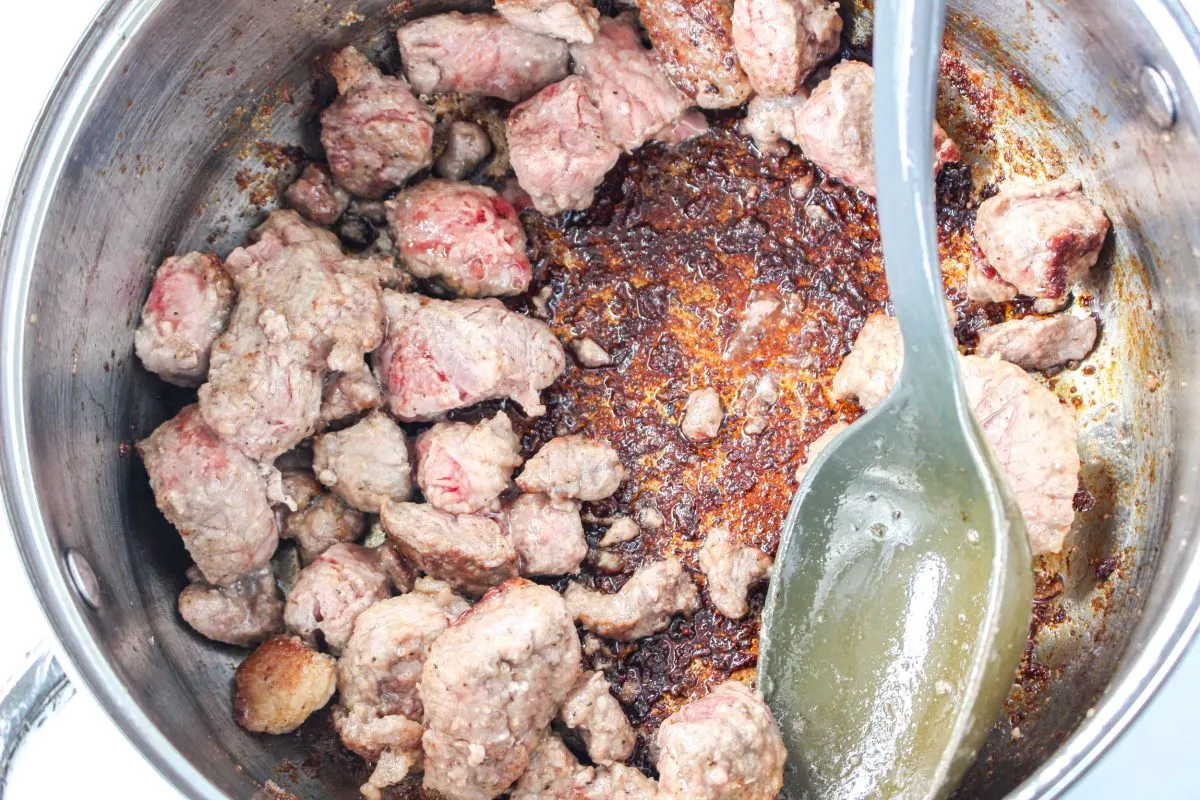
38, 690
1159, 96
83, 577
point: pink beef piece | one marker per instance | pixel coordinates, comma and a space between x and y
780, 42
260, 398
1041, 237
322, 524
724, 746
467, 145
551, 773
332, 591
348, 394
188, 308
570, 20
836, 127
215, 496
635, 98
440, 355
872, 367
590, 353
1034, 437
547, 534
464, 468
242, 614
620, 530
320, 519
306, 309
773, 122
694, 40
378, 715
303, 307
315, 195
465, 237
644, 605
366, 463
376, 134
309, 297
381, 664
732, 568
574, 466
282, 228
479, 54
1039, 343
491, 685
559, 148
591, 709
702, 415
470, 553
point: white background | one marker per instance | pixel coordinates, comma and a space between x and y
1157, 759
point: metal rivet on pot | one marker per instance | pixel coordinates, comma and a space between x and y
1158, 93
83, 577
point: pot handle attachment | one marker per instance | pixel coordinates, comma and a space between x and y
39, 688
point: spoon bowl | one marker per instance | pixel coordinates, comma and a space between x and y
903, 583
898, 610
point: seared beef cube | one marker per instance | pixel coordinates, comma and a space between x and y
215, 496
724, 746
366, 463
188, 308
491, 685
377, 134
280, 685
731, 568
1041, 237
332, 591
464, 468
559, 147
470, 553
780, 42
440, 355
570, 20
379, 711
694, 40
315, 195
243, 613
464, 237
643, 606
574, 467
479, 54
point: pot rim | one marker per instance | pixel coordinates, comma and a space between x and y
53, 137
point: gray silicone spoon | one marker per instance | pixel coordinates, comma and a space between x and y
903, 585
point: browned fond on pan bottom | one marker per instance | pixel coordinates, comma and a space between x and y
660, 271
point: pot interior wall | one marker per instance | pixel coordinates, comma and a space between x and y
192, 124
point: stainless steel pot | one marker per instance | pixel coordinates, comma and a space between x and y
156, 130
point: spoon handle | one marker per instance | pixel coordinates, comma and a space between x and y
906, 69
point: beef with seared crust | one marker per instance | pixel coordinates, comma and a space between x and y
491, 685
